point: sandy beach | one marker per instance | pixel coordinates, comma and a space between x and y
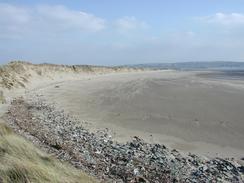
179, 109
121, 91
128, 124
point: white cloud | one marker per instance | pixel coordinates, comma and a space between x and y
13, 20
65, 18
225, 18
129, 23
50, 20
16, 20
12, 14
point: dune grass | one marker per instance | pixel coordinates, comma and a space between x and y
21, 162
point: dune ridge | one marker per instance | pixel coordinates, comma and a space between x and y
18, 74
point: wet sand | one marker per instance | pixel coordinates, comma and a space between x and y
179, 109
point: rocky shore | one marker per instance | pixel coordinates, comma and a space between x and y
98, 154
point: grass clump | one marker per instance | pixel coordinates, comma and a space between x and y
21, 162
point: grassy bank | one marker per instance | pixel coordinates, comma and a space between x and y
21, 162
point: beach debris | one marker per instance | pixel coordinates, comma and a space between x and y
99, 155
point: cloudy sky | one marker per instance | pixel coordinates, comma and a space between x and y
109, 32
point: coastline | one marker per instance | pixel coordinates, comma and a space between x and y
90, 157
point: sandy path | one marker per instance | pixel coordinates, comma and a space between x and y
169, 107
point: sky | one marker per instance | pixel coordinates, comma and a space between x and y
109, 32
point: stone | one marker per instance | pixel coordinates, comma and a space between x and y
108, 160
241, 169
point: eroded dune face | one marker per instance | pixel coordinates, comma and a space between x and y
194, 110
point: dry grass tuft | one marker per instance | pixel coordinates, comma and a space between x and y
21, 162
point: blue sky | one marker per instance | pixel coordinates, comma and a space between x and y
109, 32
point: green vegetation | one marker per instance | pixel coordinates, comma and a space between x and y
21, 162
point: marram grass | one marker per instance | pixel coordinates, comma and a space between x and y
21, 162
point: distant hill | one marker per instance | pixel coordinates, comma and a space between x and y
219, 65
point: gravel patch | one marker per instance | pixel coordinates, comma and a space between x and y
99, 155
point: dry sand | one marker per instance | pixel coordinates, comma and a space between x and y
178, 109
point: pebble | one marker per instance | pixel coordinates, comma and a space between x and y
99, 155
